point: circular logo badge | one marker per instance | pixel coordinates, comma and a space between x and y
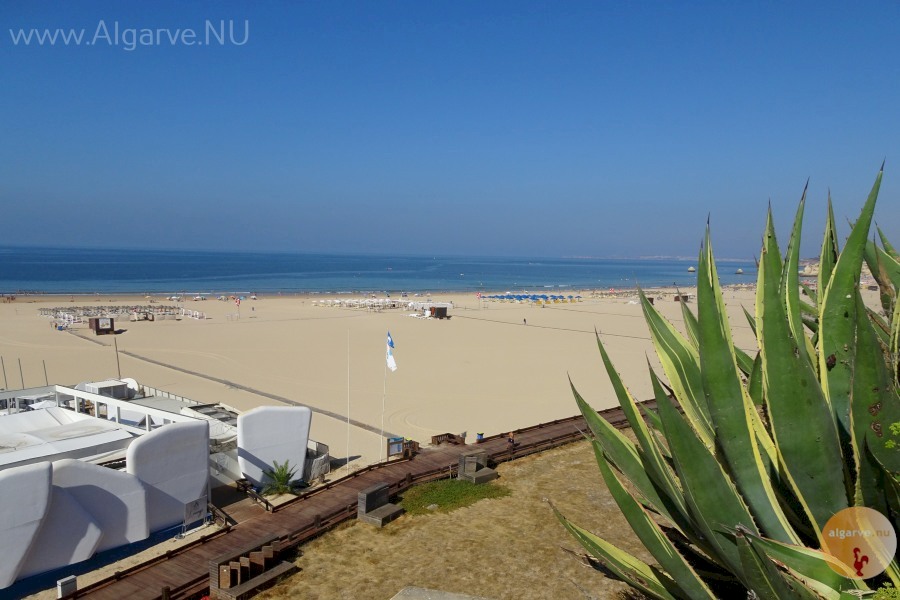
862, 539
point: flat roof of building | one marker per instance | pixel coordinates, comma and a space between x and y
55, 433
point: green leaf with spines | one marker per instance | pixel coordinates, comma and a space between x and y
690, 324
790, 284
837, 317
730, 406
807, 309
656, 467
652, 418
681, 364
894, 356
812, 295
875, 404
750, 318
830, 251
886, 271
764, 578
651, 535
803, 426
882, 327
808, 563
634, 571
658, 393
754, 382
714, 502
625, 456
887, 244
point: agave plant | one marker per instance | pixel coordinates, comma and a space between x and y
280, 478
730, 494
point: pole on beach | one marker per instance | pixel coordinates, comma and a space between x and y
383, 396
46, 381
118, 367
348, 400
21, 376
3, 364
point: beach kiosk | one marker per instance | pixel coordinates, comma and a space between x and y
102, 325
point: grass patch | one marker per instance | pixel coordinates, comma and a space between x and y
448, 494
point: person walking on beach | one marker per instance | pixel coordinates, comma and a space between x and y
524, 322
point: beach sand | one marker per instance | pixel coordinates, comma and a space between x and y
484, 370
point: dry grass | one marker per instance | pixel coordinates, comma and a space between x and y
509, 547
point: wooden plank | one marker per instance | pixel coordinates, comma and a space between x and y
257, 563
225, 576
269, 555
245, 568
237, 575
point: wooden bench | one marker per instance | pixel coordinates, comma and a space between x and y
473, 467
374, 506
450, 438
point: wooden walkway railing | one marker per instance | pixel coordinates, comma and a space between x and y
185, 573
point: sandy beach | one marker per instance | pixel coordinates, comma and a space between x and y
491, 367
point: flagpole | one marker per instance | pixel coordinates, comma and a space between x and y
383, 396
348, 400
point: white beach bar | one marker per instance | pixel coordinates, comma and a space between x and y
102, 465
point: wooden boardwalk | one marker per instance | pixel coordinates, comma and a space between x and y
186, 572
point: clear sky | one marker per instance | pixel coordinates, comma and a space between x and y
493, 128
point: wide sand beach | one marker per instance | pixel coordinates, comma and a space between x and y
490, 368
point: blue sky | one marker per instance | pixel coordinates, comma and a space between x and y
481, 128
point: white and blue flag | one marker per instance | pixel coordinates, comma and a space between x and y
391, 363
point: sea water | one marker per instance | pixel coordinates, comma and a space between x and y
88, 271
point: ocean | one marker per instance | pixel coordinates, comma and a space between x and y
89, 271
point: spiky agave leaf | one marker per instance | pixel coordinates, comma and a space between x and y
690, 325
887, 244
651, 535
626, 567
837, 317
874, 406
799, 452
744, 360
802, 423
712, 498
651, 454
894, 355
790, 284
730, 406
681, 364
624, 454
812, 295
830, 252
809, 564
886, 271
764, 578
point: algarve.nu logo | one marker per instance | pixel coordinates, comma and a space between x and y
862, 540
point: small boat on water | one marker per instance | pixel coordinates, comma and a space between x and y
691, 269
739, 272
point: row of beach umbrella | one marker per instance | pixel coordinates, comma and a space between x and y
537, 298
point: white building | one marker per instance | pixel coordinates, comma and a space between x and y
105, 464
